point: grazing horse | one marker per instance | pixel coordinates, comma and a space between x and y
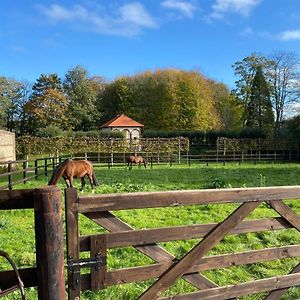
135, 160
70, 169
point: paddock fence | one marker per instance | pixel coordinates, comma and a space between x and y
167, 268
48, 275
22, 171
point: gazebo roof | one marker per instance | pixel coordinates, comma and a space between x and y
121, 121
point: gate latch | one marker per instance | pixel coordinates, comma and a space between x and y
74, 266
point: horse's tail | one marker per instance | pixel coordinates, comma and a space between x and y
95, 181
57, 173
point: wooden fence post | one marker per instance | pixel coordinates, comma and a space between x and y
36, 168
46, 166
49, 243
9, 169
24, 171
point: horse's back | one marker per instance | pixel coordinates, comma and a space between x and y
130, 159
78, 168
139, 159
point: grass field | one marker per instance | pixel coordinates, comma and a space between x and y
17, 238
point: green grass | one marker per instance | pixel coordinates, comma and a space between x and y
17, 232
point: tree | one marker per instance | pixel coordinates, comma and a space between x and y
164, 99
228, 106
82, 94
245, 70
47, 105
259, 112
10, 99
284, 79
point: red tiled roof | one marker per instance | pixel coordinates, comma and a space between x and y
121, 121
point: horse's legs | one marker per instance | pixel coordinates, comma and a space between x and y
82, 184
145, 165
91, 182
67, 181
71, 181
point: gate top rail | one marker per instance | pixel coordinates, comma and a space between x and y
139, 200
17, 199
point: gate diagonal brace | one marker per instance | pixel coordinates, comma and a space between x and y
74, 266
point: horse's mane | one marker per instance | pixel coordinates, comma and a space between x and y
58, 171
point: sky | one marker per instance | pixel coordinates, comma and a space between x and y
121, 37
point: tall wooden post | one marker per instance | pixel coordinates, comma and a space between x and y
49, 243
71, 204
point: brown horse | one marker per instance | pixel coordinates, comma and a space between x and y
135, 160
70, 169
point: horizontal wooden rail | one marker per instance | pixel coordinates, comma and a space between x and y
134, 274
8, 278
157, 235
139, 200
248, 288
18, 199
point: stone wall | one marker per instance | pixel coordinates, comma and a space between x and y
7, 146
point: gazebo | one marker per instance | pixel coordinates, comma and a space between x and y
130, 127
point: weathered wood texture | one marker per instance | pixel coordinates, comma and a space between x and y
149, 236
16, 199
167, 268
248, 288
48, 276
179, 198
72, 236
49, 243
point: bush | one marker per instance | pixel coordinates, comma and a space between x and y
50, 131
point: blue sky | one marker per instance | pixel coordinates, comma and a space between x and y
121, 37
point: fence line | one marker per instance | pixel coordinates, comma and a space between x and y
21, 171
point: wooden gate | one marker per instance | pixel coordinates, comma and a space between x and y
168, 268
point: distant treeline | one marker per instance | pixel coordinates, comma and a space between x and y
163, 100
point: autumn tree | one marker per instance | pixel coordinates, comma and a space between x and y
82, 94
164, 99
228, 106
47, 105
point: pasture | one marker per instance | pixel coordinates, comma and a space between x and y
17, 235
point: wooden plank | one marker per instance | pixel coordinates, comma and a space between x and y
155, 252
8, 278
129, 275
276, 294
98, 276
212, 239
157, 235
243, 289
122, 201
286, 212
72, 233
16, 199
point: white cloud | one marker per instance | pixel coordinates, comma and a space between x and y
247, 32
241, 7
184, 7
128, 20
289, 35
136, 14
